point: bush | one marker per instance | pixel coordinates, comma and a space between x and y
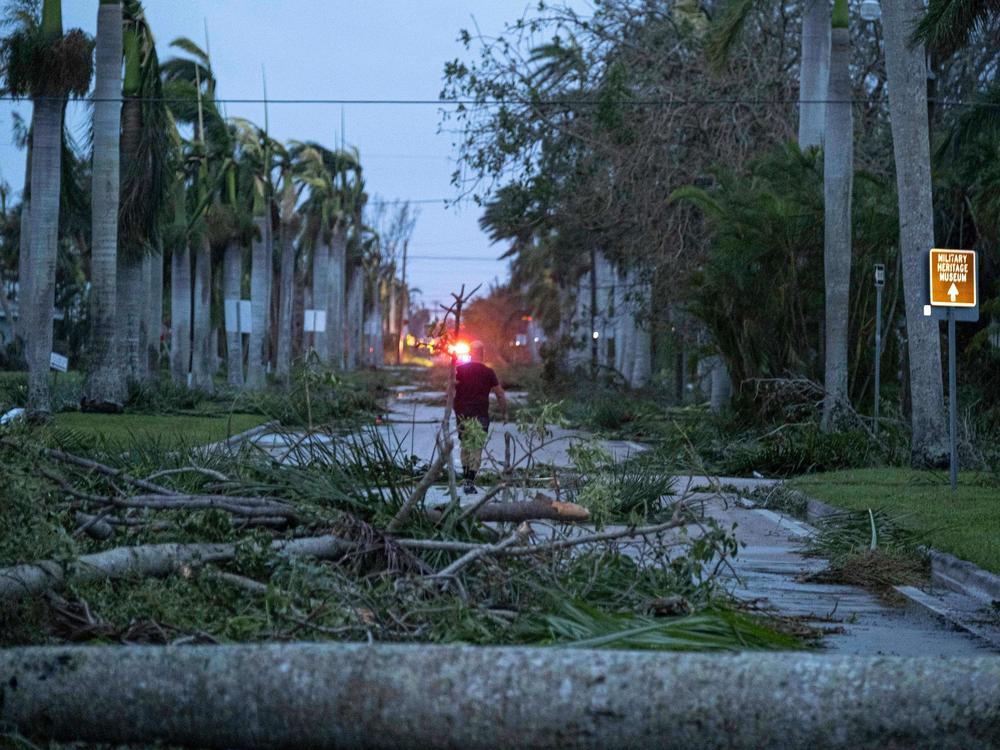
800, 450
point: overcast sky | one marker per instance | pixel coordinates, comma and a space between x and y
340, 49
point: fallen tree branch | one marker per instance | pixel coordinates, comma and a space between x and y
419, 492
397, 696
541, 508
210, 473
146, 560
96, 466
522, 533
601, 536
241, 506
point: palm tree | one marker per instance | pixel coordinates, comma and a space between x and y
147, 153
906, 73
41, 62
103, 387
330, 209
838, 176
180, 287
288, 228
189, 85
253, 158
232, 278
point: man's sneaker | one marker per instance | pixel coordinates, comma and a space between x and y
469, 487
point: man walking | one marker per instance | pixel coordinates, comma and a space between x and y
474, 382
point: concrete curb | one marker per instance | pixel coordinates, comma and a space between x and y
964, 577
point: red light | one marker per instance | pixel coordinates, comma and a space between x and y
461, 351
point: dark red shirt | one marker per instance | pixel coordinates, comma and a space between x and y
473, 383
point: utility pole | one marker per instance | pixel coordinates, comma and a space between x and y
879, 283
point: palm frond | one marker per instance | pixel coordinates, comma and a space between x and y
948, 24
727, 29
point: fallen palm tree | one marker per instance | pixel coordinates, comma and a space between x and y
304, 696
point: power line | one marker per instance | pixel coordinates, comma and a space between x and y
534, 102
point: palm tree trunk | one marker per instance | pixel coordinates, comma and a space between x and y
641, 339
907, 79
355, 319
46, 175
286, 302
814, 72
24, 247
103, 386
260, 296
154, 314
202, 356
180, 313
378, 330
131, 304
721, 385
838, 171
131, 291
337, 297
232, 278
321, 295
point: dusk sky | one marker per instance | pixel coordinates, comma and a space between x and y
323, 49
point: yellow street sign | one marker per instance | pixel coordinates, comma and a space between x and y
953, 278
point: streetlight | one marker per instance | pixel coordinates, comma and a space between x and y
871, 10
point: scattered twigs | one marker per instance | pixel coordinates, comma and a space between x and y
520, 534
210, 473
420, 491
251, 507
99, 468
677, 521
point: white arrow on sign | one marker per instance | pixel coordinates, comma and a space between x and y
953, 292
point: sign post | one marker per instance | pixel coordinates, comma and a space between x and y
953, 284
879, 283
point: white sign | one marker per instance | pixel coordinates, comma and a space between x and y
315, 321
58, 362
239, 318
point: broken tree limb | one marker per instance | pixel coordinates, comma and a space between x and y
303, 696
99, 468
250, 507
210, 473
541, 508
146, 560
625, 532
520, 534
420, 491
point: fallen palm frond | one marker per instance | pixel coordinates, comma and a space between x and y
579, 625
869, 548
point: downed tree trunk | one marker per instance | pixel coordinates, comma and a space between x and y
362, 696
146, 560
542, 508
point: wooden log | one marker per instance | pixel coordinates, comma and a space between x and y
304, 696
146, 560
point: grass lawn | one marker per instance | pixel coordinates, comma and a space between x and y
169, 431
965, 523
